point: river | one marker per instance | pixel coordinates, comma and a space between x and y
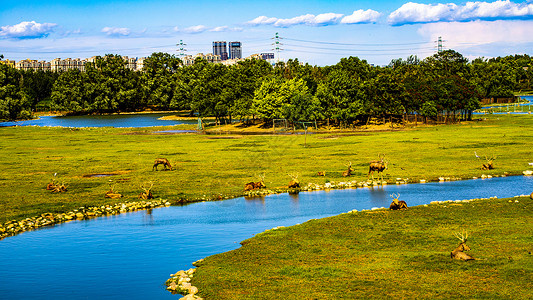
130, 256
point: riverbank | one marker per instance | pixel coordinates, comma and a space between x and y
381, 254
216, 166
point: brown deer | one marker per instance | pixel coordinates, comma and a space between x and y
459, 252
255, 185
489, 165
396, 203
112, 194
321, 173
162, 161
147, 194
349, 171
377, 165
294, 183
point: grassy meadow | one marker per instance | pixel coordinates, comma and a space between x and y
383, 254
215, 166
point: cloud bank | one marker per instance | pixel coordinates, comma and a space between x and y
411, 13
326, 19
27, 30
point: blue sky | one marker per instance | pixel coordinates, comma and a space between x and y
317, 32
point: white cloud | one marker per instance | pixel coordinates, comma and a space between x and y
262, 20
361, 17
326, 19
195, 29
308, 19
27, 30
481, 37
116, 31
225, 29
411, 12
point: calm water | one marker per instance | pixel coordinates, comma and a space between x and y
130, 256
124, 120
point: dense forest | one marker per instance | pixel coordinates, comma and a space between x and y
350, 91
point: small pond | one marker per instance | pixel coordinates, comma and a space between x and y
117, 120
130, 256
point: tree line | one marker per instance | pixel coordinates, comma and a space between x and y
350, 91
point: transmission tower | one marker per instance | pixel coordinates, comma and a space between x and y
182, 51
439, 45
277, 45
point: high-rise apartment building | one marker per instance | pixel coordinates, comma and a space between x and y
235, 50
219, 48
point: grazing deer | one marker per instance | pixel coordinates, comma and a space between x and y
377, 165
294, 183
459, 252
321, 173
397, 204
349, 171
162, 161
255, 185
147, 194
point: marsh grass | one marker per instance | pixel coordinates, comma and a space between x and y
383, 255
215, 166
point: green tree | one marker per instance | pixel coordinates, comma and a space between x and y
14, 102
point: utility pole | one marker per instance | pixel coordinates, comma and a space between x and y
181, 48
277, 45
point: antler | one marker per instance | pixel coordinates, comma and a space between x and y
293, 176
148, 189
350, 164
461, 236
395, 196
381, 156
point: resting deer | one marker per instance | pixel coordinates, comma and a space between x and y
349, 171
147, 194
489, 165
255, 185
321, 173
377, 165
396, 203
459, 252
162, 161
111, 193
294, 183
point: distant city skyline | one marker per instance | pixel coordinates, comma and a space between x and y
316, 31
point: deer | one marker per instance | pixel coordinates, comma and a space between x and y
255, 185
459, 252
396, 203
162, 161
377, 165
147, 194
321, 173
294, 183
489, 165
349, 171
111, 193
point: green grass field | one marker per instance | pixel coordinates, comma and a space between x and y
214, 166
383, 255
